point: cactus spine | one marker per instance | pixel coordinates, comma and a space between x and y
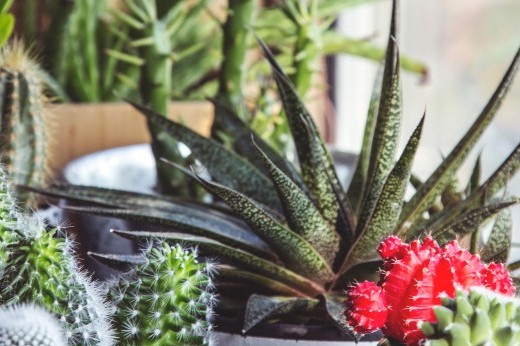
29, 325
36, 266
22, 126
480, 317
166, 301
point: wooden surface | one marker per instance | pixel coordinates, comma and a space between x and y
79, 129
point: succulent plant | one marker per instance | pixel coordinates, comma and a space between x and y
23, 130
413, 279
293, 239
29, 325
165, 300
36, 266
477, 317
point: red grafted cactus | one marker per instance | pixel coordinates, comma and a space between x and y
414, 278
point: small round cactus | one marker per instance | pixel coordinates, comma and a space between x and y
29, 325
166, 301
477, 317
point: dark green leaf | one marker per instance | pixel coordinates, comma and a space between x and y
301, 213
316, 164
235, 256
436, 183
261, 307
386, 132
118, 262
225, 166
498, 245
295, 251
388, 207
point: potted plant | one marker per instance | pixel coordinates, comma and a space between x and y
290, 240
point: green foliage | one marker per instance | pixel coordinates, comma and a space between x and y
29, 325
23, 131
167, 300
290, 236
479, 317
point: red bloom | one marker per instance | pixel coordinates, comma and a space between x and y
414, 278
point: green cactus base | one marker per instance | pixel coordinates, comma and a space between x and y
167, 301
477, 318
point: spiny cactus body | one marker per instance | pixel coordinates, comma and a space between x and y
166, 301
480, 317
22, 128
414, 278
36, 266
29, 325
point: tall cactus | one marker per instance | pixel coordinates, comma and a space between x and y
36, 266
479, 317
168, 300
22, 126
29, 325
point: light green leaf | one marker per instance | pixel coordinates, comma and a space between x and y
388, 207
6, 27
386, 133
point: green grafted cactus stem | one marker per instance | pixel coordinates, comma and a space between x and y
29, 325
166, 301
479, 317
23, 130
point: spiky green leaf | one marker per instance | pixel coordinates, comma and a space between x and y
386, 132
498, 245
474, 180
388, 207
469, 221
293, 249
316, 164
436, 183
261, 307
302, 215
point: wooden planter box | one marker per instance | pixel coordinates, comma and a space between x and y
79, 129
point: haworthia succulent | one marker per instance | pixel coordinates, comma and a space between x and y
498, 245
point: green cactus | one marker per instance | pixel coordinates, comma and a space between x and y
479, 317
29, 325
167, 300
36, 266
22, 128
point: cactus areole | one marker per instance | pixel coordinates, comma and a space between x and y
414, 279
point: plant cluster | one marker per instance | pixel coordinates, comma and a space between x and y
292, 238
